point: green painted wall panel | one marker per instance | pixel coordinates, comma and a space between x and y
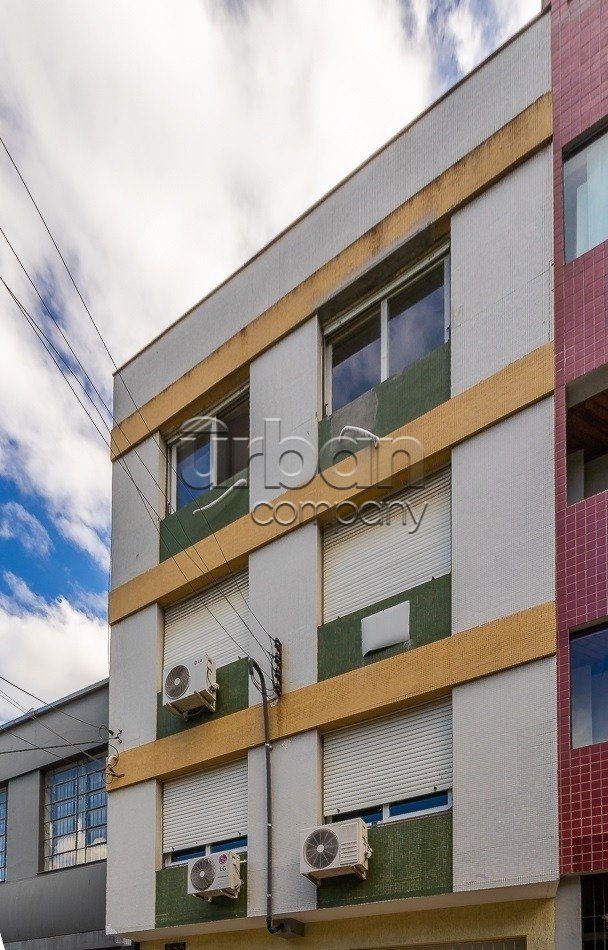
233, 694
420, 388
410, 858
183, 528
339, 642
174, 907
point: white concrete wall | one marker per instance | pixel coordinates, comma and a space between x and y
134, 813
296, 784
285, 398
134, 855
284, 586
568, 930
285, 595
135, 535
284, 577
505, 778
503, 523
505, 85
501, 254
136, 646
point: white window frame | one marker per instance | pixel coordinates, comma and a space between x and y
204, 426
351, 316
79, 815
388, 819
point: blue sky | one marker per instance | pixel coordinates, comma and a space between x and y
165, 143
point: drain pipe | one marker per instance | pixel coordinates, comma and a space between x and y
288, 927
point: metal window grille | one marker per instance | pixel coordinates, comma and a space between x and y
75, 814
594, 910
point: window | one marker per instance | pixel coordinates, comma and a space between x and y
409, 808
586, 198
208, 451
205, 812
75, 814
189, 854
594, 911
589, 687
587, 435
386, 335
3, 834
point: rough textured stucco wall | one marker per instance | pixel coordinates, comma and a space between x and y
503, 519
134, 816
296, 766
535, 919
505, 787
501, 255
135, 534
136, 646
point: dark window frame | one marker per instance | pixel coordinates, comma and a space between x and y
200, 425
350, 320
577, 636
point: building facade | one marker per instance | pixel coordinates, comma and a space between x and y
580, 177
356, 446
53, 825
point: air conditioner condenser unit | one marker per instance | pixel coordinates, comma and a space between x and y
215, 875
338, 848
190, 686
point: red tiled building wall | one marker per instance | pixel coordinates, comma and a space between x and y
580, 100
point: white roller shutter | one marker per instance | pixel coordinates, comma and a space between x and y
206, 807
196, 624
389, 759
363, 564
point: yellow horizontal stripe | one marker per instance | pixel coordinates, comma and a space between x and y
374, 690
508, 391
225, 367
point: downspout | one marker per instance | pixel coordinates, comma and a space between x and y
290, 927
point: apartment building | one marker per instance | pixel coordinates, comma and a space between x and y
580, 169
53, 825
353, 473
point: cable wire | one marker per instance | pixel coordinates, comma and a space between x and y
54, 705
30, 712
56, 356
43, 748
120, 376
40, 333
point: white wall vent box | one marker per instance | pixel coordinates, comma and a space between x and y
386, 628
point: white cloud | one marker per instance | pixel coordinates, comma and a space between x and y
19, 524
49, 647
166, 142
476, 27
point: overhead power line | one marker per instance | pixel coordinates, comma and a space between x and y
123, 381
55, 705
58, 358
41, 722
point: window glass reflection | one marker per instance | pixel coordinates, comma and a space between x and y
586, 198
589, 687
356, 362
416, 321
194, 474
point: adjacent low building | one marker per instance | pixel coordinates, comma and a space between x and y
53, 825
